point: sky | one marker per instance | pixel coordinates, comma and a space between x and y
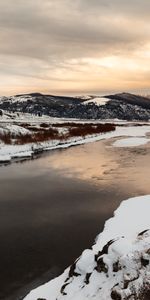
74, 46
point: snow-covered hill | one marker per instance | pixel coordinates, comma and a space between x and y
123, 106
116, 267
138, 100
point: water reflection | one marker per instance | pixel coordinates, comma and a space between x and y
87, 162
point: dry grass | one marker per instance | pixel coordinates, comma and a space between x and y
40, 136
44, 125
46, 132
73, 124
6, 138
89, 129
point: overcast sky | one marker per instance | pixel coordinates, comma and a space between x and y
74, 46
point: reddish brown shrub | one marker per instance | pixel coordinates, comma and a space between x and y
33, 128
40, 136
44, 125
51, 133
5, 138
88, 129
24, 125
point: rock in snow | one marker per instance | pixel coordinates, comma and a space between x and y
117, 266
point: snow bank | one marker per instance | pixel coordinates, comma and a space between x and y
14, 129
28, 150
117, 266
131, 142
5, 158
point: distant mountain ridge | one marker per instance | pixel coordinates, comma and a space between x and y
131, 99
123, 106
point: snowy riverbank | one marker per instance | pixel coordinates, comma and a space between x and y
10, 152
117, 266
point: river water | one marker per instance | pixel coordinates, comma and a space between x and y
52, 208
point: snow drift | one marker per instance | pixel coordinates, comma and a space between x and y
116, 267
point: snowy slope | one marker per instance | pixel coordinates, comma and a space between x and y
97, 100
15, 99
117, 266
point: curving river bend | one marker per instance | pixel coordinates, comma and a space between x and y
52, 208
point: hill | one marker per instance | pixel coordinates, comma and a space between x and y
123, 106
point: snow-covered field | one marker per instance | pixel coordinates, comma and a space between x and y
34, 119
117, 266
9, 152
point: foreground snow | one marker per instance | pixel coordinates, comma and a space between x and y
117, 266
9, 152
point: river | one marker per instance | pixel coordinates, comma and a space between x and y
52, 208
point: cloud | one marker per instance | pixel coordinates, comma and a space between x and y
55, 41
